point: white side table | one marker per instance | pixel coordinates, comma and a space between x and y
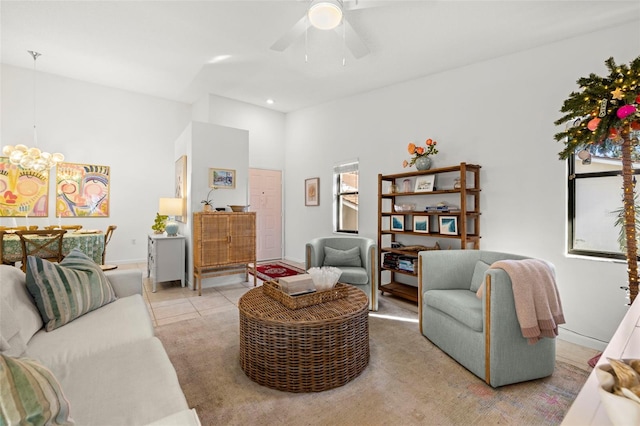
166, 258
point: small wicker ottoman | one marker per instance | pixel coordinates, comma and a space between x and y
310, 349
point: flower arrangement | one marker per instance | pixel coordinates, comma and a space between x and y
207, 201
419, 151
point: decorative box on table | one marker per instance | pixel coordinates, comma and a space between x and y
273, 290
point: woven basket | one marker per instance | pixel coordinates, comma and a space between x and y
272, 289
312, 349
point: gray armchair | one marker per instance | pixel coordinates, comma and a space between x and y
358, 266
481, 334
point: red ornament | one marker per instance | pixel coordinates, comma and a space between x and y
613, 132
593, 124
635, 125
638, 99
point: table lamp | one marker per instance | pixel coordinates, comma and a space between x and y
171, 207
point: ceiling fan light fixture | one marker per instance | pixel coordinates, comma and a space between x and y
325, 14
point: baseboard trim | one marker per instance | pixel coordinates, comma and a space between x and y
581, 340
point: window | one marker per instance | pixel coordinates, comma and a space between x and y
346, 197
595, 201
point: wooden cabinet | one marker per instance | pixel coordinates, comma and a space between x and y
402, 234
165, 258
223, 242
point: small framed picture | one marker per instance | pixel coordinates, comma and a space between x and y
448, 225
312, 192
421, 224
425, 183
222, 178
397, 222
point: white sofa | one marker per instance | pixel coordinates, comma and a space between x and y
111, 367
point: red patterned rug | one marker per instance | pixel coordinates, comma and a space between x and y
271, 270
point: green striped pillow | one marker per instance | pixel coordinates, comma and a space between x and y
68, 290
30, 394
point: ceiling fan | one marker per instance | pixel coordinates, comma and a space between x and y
328, 15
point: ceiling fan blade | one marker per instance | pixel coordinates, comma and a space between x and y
289, 37
354, 41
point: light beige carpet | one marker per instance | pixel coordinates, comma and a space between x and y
409, 381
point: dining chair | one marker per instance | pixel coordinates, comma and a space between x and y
45, 244
15, 228
107, 238
3, 260
67, 227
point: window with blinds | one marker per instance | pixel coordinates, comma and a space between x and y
346, 197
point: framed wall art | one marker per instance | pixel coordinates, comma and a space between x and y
425, 183
222, 178
448, 225
82, 190
312, 192
421, 224
181, 186
397, 222
23, 193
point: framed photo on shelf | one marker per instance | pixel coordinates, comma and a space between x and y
312, 192
421, 224
425, 183
448, 225
397, 222
222, 178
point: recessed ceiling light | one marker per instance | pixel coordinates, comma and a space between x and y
219, 58
271, 101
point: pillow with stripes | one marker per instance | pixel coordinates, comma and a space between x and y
68, 290
30, 394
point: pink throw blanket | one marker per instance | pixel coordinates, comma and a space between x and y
536, 297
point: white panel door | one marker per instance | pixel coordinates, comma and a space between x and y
265, 198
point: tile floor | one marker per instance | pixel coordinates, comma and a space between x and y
172, 303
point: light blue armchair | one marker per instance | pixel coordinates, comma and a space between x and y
481, 334
359, 266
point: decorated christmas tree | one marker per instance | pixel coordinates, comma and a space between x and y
606, 111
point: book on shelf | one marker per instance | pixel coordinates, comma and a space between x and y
441, 209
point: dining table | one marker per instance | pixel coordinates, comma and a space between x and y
90, 242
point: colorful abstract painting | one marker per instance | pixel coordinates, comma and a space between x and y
23, 193
82, 190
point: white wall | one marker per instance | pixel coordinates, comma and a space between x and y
220, 147
265, 126
498, 114
133, 134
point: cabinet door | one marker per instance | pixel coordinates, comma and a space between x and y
169, 253
242, 247
214, 240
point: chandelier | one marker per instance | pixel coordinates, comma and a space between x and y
32, 158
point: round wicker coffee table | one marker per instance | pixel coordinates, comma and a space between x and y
310, 349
